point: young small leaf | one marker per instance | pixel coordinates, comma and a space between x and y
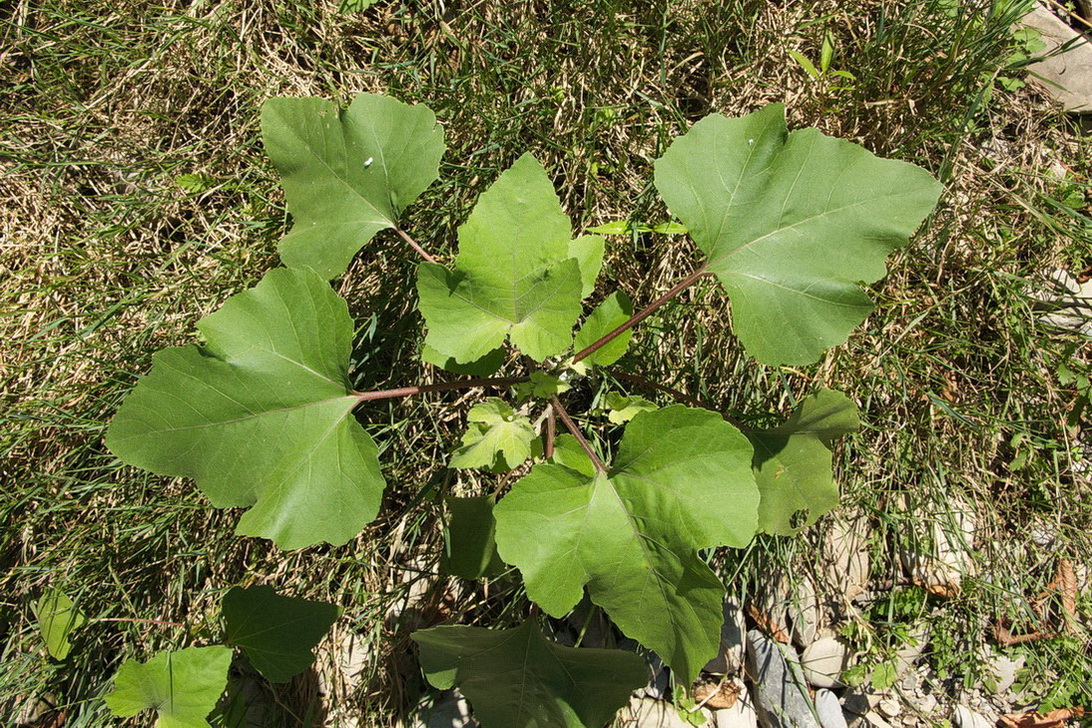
792, 462
623, 409
670, 228
518, 273
541, 385
182, 686
347, 174
607, 316
618, 227
58, 617
262, 415
470, 547
276, 633
806, 64
515, 678
497, 438
791, 225
681, 482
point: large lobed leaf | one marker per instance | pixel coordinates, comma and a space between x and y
182, 687
277, 633
793, 462
791, 225
262, 415
518, 274
347, 174
515, 678
682, 482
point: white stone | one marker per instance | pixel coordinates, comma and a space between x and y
804, 613
729, 661
941, 568
875, 720
1004, 669
846, 555
890, 707
964, 717
823, 662
829, 710
648, 713
908, 654
741, 714
1067, 76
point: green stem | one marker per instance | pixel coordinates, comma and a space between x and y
551, 432
641, 315
571, 426
439, 387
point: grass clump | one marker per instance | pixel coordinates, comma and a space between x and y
135, 198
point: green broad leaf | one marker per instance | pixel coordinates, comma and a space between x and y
588, 252
791, 224
567, 452
622, 409
497, 438
347, 174
614, 311
792, 462
483, 367
516, 678
261, 416
277, 633
518, 273
183, 687
470, 547
541, 385
58, 618
632, 535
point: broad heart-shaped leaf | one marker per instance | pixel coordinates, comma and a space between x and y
681, 482
347, 174
262, 415
276, 633
58, 617
182, 686
515, 678
792, 462
470, 549
791, 224
518, 274
497, 438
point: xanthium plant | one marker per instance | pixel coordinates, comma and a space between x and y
264, 417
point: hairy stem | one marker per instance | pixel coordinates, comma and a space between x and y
551, 432
413, 244
439, 387
137, 621
571, 426
641, 315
